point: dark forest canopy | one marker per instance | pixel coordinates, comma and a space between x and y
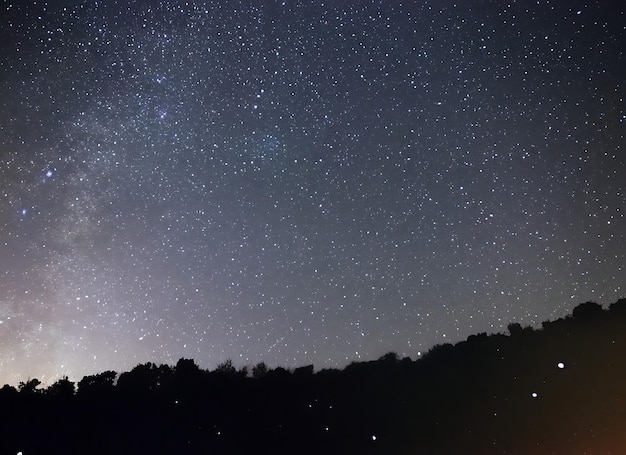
558, 389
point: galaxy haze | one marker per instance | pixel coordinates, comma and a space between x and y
301, 182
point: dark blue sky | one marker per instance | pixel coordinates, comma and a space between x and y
301, 182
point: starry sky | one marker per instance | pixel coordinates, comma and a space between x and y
301, 182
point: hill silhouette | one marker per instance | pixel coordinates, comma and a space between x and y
555, 390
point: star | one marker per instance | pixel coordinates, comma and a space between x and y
313, 183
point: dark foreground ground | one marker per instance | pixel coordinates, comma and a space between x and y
558, 390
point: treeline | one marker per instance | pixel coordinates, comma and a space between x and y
558, 389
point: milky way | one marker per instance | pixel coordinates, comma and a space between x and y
301, 182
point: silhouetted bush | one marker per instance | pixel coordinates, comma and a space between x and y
587, 311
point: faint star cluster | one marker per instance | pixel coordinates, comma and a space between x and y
301, 182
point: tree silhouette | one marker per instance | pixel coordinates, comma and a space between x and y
618, 309
390, 358
97, 384
186, 368
8, 391
29, 387
144, 378
63, 388
303, 372
259, 370
559, 389
226, 368
515, 329
587, 311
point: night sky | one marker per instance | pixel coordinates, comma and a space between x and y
301, 182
